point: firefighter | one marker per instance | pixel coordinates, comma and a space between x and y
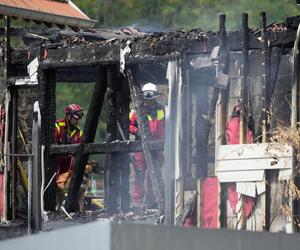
67, 131
142, 187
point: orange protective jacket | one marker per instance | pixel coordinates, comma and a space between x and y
64, 135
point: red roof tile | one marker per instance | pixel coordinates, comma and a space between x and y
50, 8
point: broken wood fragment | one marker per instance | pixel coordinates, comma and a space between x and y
187, 210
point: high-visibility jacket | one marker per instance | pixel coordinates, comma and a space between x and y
156, 123
65, 135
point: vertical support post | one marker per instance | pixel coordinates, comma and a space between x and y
13, 140
123, 118
152, 164
10, 210
89, 132
170, 141
202, 125
184, 143
265, 198
199, 203
36, 170
47, 102
263, 21
221, 113
223, 66
112, 159
244, 78
295, 108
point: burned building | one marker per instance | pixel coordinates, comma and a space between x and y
247, 77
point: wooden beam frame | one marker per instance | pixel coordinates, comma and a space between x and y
89, 133
104, 148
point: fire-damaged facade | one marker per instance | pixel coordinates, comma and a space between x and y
228, 97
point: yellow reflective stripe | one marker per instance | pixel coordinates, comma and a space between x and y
73, 132
81, 133
160, 114
149, 118
57, 127
62, 124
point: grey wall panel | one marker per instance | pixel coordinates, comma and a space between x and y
90, 236
147, 237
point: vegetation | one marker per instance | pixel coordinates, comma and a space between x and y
174, 14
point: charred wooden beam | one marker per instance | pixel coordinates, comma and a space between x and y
221, 112
123, 119
106, 148
13, 141
244, 79
47, 102
152, 164
89, 133
202, 107
112, 170
149, 50
188, 210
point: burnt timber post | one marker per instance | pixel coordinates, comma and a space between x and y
152, 164
12, 173
265, 76
221, 111
89, 133
47, 101
112, 192
123, 119
266, 198
244, 79
13, 140
47, 85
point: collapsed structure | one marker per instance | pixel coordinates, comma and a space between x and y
205, 180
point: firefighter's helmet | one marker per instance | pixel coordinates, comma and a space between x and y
75, 110
149, 91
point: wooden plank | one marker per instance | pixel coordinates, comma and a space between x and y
241, 176
254, 151
238, 165
104, 148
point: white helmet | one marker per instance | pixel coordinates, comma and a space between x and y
149, 91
